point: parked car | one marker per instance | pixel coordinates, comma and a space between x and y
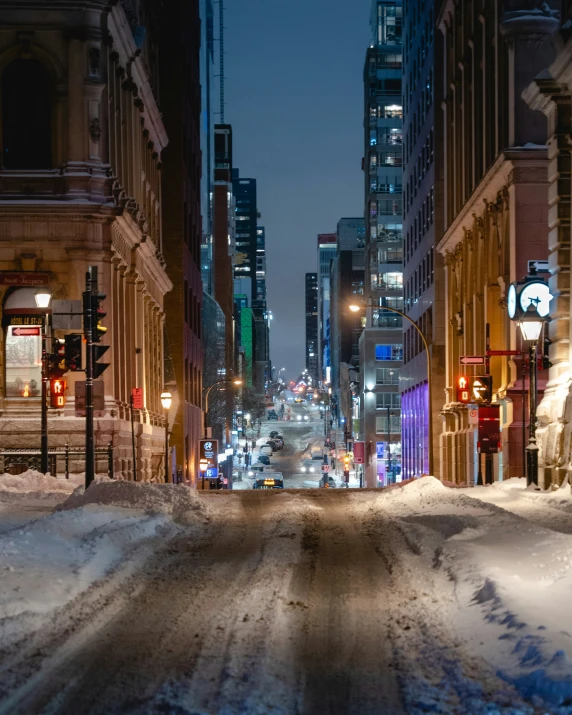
317, 453
272, 415
274, 433
266, 449
256, 467
328, 482
275, 444
264, 458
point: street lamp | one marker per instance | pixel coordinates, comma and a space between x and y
166, 401
43, 298
355, 308
234, 381
531, 325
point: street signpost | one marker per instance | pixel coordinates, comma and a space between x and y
137, 396
325, 467
472, 360
501, 353
27, 332
208, 451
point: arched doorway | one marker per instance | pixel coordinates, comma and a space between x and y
22, 322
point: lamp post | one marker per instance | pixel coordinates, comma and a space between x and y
166, 401
236, 381
531, 327
355, 308
43, 298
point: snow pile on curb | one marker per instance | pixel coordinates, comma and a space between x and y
32, 481
176, 500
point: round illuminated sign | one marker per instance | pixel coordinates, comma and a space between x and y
511, 301
537, 294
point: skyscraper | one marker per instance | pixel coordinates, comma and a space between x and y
381, 344
312, 324
327, 250
423, 267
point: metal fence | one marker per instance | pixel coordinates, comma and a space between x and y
16, 461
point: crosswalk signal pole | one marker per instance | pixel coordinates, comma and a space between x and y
90, 285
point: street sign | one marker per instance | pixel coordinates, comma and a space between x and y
325, 467
19, 319
473, 416
482, 388
359, 452
137, 398
66, 314
208, 451
211, 473
498, 353
489, 436
24, 278
27, 332
98, 398
472, 359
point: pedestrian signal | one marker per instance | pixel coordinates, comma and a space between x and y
57, 393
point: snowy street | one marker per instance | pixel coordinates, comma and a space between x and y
147, 599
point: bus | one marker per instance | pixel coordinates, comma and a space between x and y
269, 481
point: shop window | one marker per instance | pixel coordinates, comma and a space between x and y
26, 116
23, 364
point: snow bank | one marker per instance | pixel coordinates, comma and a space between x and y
32, 481
176, 500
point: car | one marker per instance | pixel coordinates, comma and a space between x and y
298, 400
272, 415
256, 467
269, 482
266, 449
273, 434
276, 444
317, 453
308, 467
328, 482
264, 458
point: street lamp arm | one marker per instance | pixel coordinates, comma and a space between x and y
429, 380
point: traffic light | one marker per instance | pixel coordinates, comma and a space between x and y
97, 315
99, 351
546, 354
73, 352
57, 393
463, 389
347, 460
57, 359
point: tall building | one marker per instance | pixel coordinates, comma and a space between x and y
82, 141
381, 342
327, 250
260, 294
246, 218
312, 325
347, 281
505, 201
424, 276
181, 198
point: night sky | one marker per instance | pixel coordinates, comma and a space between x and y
294, 97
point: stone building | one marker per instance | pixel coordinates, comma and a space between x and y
80, 185
551, 93
498, 199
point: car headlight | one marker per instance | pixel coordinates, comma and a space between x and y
312, 469
299, 418
303, 469
250, 474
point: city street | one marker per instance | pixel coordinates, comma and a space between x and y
322, 601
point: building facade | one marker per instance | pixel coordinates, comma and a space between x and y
182, 228
311, 291
498, 204
424, 276
327, 250
382, 164
82, 139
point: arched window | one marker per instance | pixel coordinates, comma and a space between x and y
22, 344
26, 116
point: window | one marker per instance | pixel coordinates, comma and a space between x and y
389, 352
392, 281
23, 365
381, 425
386, 376
391, 110
26, 116
383, 400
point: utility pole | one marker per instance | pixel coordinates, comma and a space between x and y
90, 285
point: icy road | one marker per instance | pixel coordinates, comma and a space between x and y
401, 601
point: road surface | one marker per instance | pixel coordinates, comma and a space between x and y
289, 602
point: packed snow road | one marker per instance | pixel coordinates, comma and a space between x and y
409, 600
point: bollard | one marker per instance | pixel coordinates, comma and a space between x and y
110, 460
67, 461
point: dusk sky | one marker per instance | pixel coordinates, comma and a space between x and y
294, 97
